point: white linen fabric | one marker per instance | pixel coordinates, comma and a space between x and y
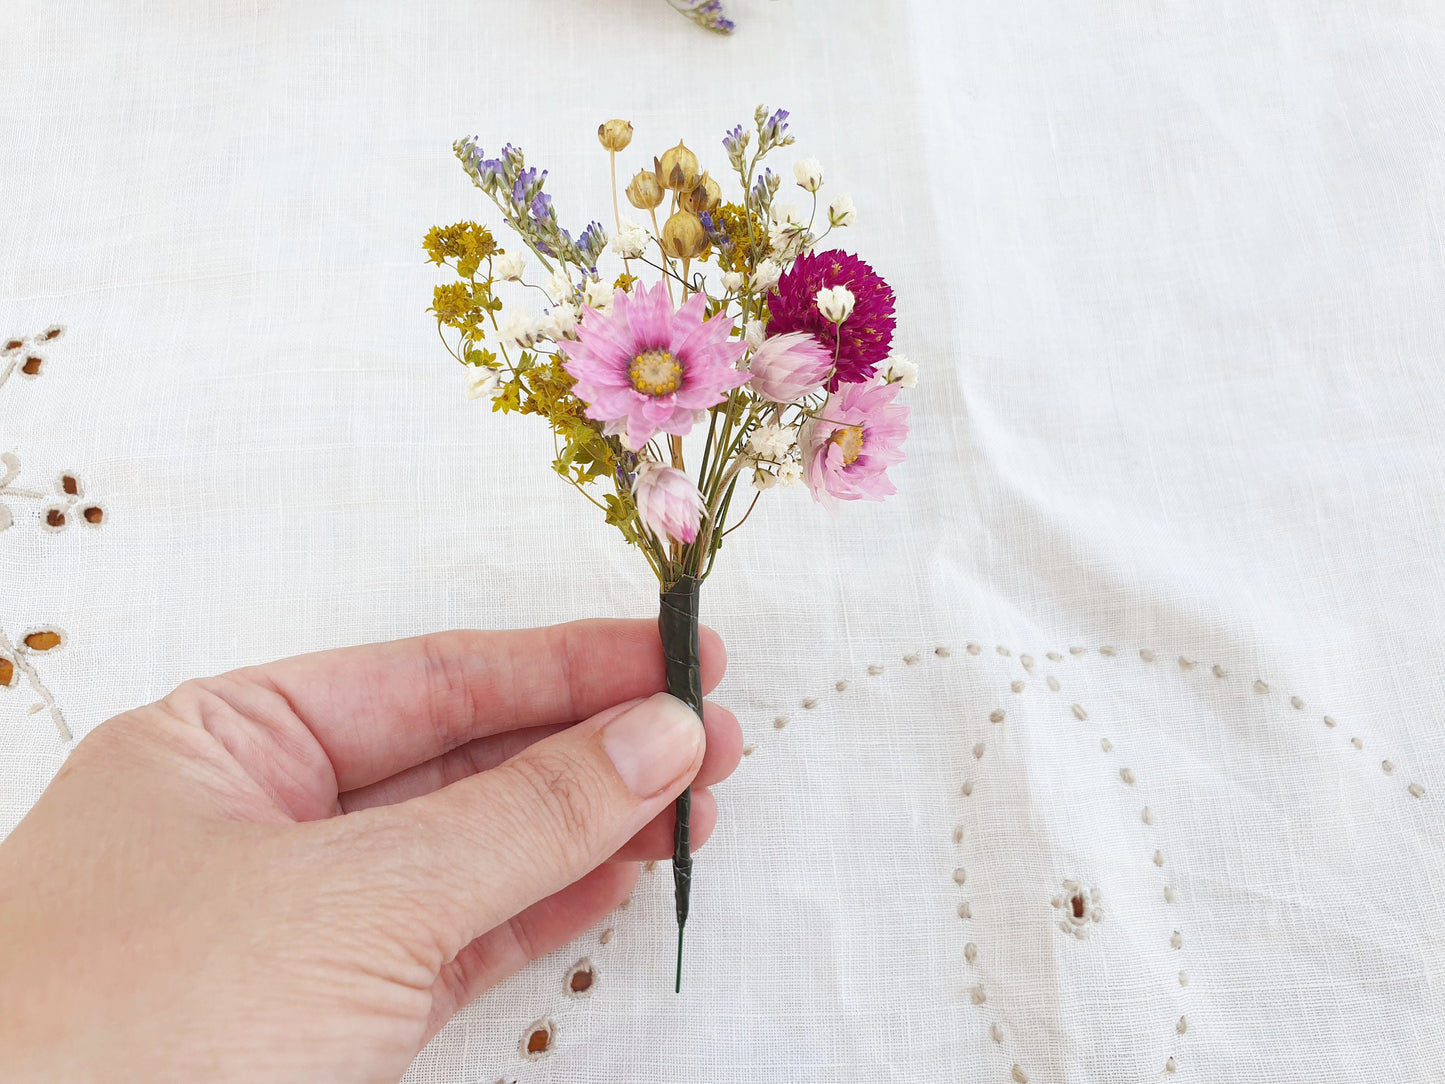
1174, 276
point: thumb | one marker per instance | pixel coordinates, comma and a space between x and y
478, 851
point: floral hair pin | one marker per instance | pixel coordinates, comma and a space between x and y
730, 347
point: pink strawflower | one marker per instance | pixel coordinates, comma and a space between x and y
668, 503
789, 366
861, 341
643, 368
855, 438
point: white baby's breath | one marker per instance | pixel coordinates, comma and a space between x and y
509, 266
558, 286
630, 242
841, 211
598, 295
521, 328
559, 322
772, 442
790, 474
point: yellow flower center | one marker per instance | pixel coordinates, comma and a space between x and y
850, 440
655, 372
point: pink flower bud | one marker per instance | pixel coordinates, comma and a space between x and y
788, 366
668, 503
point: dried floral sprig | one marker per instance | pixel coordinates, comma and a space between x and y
750, 356
708, 14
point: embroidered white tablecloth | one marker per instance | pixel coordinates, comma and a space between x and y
1124, 755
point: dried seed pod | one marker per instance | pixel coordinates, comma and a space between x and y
644, 191
677, 169
615, 135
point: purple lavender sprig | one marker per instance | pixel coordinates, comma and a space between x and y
516, 189
708, 14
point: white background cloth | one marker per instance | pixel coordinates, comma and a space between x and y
1173, 276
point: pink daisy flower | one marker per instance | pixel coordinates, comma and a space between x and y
643, 368
855, 438
861, 341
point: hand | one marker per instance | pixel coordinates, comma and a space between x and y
300, 871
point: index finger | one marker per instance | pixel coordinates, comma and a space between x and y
381, 708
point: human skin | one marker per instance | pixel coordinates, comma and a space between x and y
300, 871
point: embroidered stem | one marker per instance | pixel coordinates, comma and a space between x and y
46, 697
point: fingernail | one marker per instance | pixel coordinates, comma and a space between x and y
653, 744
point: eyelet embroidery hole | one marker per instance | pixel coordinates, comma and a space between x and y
539, 1039
996, 716
42, 640
974, 649
910, 660
842, 685
1147, 654
1054, 656
581, 979
1079, 713
1079, 907
1005, 652
875, 670
1017, 686
1052, 682
942, 652
1261, 687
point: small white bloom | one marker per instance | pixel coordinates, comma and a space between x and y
766, 275
509, 266
630, 242
598, 294
809, 173
785, 214
732, 282
901, 371
558, 286
521, 328
789, 238
559, 322
835, 303
764, 479
772, 442
841, 211
790, 474
483, 384
755, 334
